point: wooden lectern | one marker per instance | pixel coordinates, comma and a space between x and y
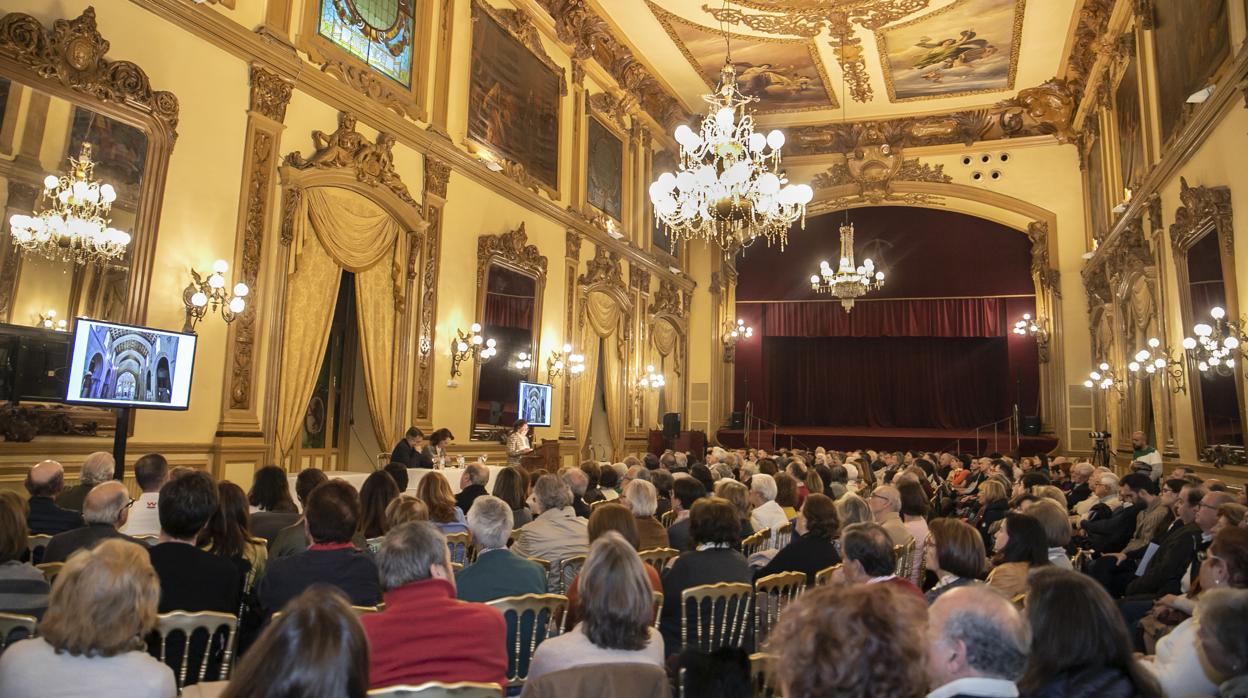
544, 457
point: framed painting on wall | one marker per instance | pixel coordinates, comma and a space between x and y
513, 99
662, 161
1128, 118
118, 150
604, 171
1097, 210
1192, 40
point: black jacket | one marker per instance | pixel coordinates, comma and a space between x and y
267, 524
695, 569
350, 570
807, 554
992, 513
1077, 494
580, 507
1111, 533
1165, 571
410, 457
1099, 682
65, 544
47, 518
467, 496
194, 580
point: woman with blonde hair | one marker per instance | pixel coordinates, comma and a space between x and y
993, 504
434, 491
405, 508
91, 638
617, 614
852, 509
738, 495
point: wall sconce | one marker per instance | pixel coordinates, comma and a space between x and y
472, 345
49, 321
651, 380
1103, 379
203, 296
523, 362
563, 361
1038, 328
1215, 347
733, 333
1159, 359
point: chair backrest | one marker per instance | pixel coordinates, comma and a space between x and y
755, 542
531, 619
364, 610
461, 547
544, 563
35, 543
668, 518
147, 539
50, 570
715, 615
16, 627
658, 557
1020, 601
437, 689
771, 595
600, 502
607, 680
218, 631
561, 573
901, 554
918, 562
784, 533
658, 608
762, 675
823, 576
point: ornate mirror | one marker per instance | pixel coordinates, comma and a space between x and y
511, 276
1204, 254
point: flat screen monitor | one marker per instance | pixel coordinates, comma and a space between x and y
114, 365
535, 403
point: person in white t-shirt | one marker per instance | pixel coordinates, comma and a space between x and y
151, 472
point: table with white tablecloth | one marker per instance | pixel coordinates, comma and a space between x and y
453, 477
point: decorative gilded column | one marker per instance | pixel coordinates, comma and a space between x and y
572, 265
436, 182
239, 433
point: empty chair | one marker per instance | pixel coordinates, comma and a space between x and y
531, 619
762, 676
771, 595
784, 533
460, 545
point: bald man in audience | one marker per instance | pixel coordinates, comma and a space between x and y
977, 644
97, 468
44, 482
105, 510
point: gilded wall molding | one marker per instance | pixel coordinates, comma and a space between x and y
513, 249
367, 83
1048, 278
436, 186
573, 241
270, 93
1092, 25
603, 269
437, 177
373, 163
666, 300
872, 165
1202, 208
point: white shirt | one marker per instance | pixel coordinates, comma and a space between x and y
769, 515
573, 649
33, 669
144, 519
1177, 663
981, 686
1058, 557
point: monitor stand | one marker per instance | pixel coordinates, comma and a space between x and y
120, 433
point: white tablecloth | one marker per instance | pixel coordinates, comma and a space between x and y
414, 475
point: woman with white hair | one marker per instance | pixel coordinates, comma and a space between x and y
617, 615
642, 499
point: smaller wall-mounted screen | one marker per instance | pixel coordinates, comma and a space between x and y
114, 365
535, 403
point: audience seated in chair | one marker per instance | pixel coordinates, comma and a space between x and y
150, 472
557, 533
767, 513
1021, 547
814, 546
44, 482
472, 485
685, 491
331, 518
869, 559
885, 504
97, 469
610, 517
424, 633
89, 642
104, 510
227, 536
497, 571
616, 614
1223, 616
23, 588
1057, 531
378, 490
270, 491
192, 579
293, 539
436, 494
977, 645
641, 497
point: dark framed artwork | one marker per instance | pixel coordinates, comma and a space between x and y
1128, 117
118, 150
513, 99
604, 173
1193, 38
663, 161
1096, 190
6, 87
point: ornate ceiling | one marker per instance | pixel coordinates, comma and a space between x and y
804, 59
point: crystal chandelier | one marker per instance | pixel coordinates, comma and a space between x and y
1216, 347
848, 281
730, 189
74, 223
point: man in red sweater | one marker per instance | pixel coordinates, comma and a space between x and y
869, 558
425, 633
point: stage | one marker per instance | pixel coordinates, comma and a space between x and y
899, 439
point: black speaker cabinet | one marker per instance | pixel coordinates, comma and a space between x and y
1030, 425
737, 421
671, 425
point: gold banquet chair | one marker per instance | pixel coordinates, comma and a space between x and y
771, 595
214, 625
531, 619
50, 570
16, 627
784, 534
658, 557
762, 675
561, 573
902, 553
720, 615
460, 545
755, 542
437, 689
36, 543
668, 518
823, 576
658, 608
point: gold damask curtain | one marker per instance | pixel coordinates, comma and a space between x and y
603, 315
666, 341
336, 229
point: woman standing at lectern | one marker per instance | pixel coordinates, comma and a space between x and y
518, 442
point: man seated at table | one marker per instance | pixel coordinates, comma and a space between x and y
410, 450
424, 633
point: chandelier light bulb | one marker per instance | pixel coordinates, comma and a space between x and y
1150, 369
477, 339
220, 266
1189, 343
1154, 342
475, 327
199, 299
1231, 342
1217, 312
241, 290
1103, 366
1133, 366
757, 142
1202, 330
51, 182
1159, 362
1094, 376
1087, 384
491, 342
237, 305
775, 140
1141, 355
216, 281
1203, 366
523, 356
567, 348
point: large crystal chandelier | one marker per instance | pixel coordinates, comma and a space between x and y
847, 281
74, 223
730, 189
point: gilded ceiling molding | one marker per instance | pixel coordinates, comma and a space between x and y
589, 36
1046, 109
602, 269
368, 83
437, 176
514, 249
639, 279
1203, 207
344, 148
799, 18
1144, 14
611, 108
1093, 23
873, 164
1041, 266
73, 54
666, 300
270, 94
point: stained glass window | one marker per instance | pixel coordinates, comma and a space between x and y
378, 32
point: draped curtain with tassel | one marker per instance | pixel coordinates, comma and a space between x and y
666, 341
603, 314
337, 229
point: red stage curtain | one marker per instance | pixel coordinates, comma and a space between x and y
508, 311
934, 317
942, 383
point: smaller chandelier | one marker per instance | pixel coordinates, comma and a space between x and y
74, 223
203, 296
523, 362
651, 380
848, 281
730, 189
1216, 347
565, 362
1158, 359
1104, 378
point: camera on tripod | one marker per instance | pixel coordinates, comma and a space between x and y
1099, 435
